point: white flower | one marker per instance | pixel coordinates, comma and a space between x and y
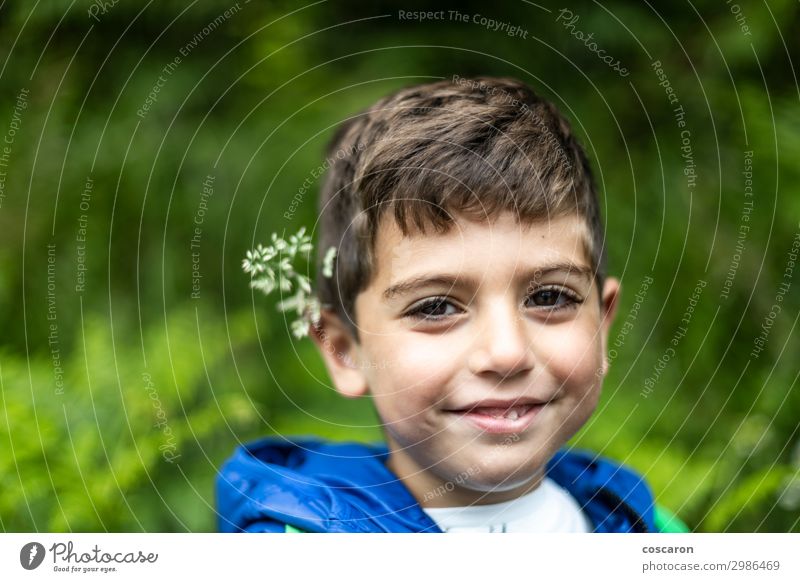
296, 302
266, 286
304, 283
314, 311
299, 328
271, 268
327, 262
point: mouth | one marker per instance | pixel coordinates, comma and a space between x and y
500, 417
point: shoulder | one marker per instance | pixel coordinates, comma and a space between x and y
606, 488
616, 497
585, 469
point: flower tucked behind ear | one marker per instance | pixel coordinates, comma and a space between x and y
271, 268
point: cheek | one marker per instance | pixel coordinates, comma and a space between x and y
408, 376
573, 355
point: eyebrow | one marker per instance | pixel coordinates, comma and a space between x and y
442, 279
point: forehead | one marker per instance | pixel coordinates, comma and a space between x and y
501, 243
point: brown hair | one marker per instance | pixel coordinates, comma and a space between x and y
473, 147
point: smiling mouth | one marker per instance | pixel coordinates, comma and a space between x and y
511, 418
511, 413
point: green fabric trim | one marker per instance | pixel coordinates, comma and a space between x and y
292, 529
668, 522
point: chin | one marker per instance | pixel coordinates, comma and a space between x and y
500, 477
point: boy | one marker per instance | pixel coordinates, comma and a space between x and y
469, 300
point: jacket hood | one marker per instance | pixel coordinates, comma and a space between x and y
321, 486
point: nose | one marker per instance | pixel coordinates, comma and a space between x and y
502, 344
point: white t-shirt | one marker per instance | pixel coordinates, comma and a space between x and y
548, 508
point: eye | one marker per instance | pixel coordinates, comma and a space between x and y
431, 309
554, 298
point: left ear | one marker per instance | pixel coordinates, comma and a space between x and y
610, 300
340, 351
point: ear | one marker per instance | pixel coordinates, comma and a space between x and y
610, 300
340, 351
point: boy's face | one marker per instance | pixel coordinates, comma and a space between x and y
484, 351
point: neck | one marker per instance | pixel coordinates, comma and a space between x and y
431, 490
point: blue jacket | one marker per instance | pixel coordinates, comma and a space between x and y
319, 486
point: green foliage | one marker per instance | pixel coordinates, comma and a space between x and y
109, 451
161, 329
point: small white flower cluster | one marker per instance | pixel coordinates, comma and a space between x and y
271, 268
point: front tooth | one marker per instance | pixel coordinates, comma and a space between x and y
512, 414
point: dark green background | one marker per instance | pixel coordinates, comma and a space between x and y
253, 104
